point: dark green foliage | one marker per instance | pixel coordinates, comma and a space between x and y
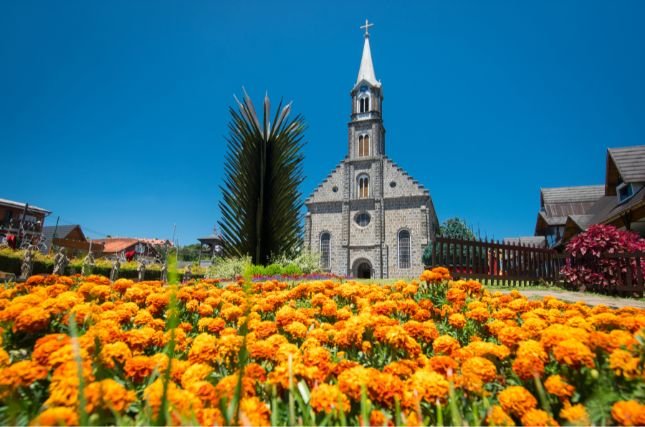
455, 228
261, 201
190, 252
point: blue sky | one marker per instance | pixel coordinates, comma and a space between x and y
114, 114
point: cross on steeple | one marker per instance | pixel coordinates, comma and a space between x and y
366, 27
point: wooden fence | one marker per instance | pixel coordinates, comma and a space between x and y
507, 264
495, 262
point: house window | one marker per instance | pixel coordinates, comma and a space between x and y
363, 146
325, 250
404, 249
625, 191
363, 187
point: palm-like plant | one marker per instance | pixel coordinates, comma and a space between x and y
261, 202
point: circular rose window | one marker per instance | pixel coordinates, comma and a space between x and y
362, 219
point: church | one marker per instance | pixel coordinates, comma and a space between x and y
369, 218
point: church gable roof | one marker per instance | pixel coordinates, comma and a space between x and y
404, 184
324, 192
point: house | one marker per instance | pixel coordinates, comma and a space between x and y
21, 219
623, 201
567, 211
70, 237
129, 246
560, 203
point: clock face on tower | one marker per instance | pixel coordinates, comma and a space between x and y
363, 88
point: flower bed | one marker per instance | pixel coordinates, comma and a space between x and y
432, 351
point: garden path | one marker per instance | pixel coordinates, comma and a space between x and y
588, 298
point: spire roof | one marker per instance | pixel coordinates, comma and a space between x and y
366, 72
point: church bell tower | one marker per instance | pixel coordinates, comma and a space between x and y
366, 132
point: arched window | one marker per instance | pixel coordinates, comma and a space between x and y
364, 104
363, 187
363, 145
404, 249
325, 250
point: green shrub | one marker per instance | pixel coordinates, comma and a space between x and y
307, 262
229, 268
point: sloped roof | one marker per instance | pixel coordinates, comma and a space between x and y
62, 231
581, 193
116, 244
366, 71
20, 205
630, 162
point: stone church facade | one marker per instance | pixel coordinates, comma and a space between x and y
369, 218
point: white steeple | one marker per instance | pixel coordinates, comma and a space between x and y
366, 72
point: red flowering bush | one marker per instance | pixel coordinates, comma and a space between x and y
590, 268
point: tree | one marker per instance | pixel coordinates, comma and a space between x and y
261, 201
455, 228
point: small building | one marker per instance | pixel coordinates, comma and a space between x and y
211, 245
70, 237
623, 201
557, 204
567, 211
21, 220
129, 247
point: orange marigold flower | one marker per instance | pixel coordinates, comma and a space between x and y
26, 372
476, 371
56, 416
575, 415
457, 320
210, 417
31, 320
443, 364
352, 380
557, 386
254, 412
328, 398
108, 394
385, 388
211, 325
624, 364
538, 417
497, 417
445, 344
425, 385
628, 413
196, 372
516, 400
573, 353
139, 368
204, 349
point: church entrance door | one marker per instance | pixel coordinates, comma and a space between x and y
364, 270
